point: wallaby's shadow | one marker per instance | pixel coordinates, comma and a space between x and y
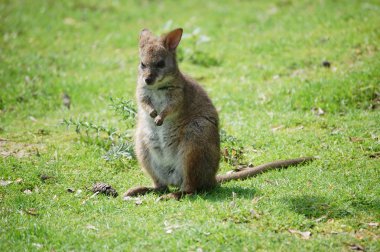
317, 207
221, 193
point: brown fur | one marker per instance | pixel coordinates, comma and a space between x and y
177, 137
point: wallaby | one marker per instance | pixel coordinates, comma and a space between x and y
177, 137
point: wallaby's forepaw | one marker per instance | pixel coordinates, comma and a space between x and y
158, 120
153, 113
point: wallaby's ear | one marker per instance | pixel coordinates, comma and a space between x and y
173, 38
144, 34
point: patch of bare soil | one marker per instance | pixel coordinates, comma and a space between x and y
19, 150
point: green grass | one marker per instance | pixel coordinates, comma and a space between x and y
263, 69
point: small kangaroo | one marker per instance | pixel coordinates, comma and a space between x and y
177, 137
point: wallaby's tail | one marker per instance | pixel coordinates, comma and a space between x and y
253, 171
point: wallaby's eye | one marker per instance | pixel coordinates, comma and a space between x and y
143, 65
160, 64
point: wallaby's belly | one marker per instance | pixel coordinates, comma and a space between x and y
165, 154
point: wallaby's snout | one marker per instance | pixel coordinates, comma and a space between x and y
149, 75
149, 80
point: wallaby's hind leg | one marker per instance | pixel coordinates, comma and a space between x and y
201, 156
200, 166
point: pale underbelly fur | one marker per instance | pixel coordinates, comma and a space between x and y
165, 154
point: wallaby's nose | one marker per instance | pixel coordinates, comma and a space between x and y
149, 80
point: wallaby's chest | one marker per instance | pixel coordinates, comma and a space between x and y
159, 100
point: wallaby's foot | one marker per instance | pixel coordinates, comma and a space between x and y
158, 120
174, 195
141, 190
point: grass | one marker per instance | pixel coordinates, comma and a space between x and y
262, 66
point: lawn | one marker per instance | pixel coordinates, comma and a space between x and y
289, 79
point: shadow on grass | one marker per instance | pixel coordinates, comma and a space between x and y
322, 207
222, 193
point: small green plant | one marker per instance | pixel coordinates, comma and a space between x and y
122, 149
117, 143
125, 108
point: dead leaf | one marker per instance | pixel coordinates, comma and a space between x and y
137, 200
356, 139
336, 232
276, 128
373, 224
28, 191
256, 199
31, 211
88, 198
32, 118
356, 247
5, 182
169, 228
336, 131
321, 218
37, 245
318, 111
89, 226
271, 182
78, 192
359, 235
18, 180
304, 235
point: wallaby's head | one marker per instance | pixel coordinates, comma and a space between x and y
158, 63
